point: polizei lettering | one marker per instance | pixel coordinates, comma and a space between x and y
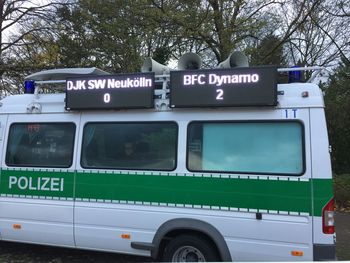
38, 184
219, 80
110, 83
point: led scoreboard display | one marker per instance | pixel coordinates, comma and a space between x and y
120, 91
224, 87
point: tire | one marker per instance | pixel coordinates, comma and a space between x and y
190, 248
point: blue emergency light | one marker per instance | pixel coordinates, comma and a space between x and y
29, 86
294, 76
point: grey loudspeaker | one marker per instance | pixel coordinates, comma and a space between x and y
150, 65
189, 61
235, 59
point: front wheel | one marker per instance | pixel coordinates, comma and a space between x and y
190, 248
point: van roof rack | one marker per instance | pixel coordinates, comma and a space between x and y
317, 70
59, 75
53, 76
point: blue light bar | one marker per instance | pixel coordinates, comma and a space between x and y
294, 76
29, 86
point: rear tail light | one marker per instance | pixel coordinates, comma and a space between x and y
328, 218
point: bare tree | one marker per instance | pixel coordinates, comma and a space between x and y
218, 25
324, 36
222, 26
15, 16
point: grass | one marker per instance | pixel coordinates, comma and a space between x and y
341, 184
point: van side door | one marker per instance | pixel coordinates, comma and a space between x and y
37, 177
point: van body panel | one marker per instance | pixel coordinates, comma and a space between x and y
261, 216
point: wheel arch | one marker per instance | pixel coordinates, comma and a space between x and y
191, 225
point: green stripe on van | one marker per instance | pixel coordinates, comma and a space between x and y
269, 195
203, 191
323, 192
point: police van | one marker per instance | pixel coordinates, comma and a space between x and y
190, 165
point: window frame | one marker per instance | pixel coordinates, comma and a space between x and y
302, 126
131, 122
42, 123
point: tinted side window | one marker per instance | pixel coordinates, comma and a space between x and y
246, 147
135, 146
40, 144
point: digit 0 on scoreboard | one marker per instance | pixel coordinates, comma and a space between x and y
107, 98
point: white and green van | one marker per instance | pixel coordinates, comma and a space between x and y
116, 164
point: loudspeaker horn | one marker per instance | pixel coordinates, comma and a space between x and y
189, 61
150, 65
235, 59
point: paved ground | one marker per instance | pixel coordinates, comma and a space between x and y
22, 253
342, 227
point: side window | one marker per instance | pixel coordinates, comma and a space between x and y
40, 144
134, 146
246, 147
